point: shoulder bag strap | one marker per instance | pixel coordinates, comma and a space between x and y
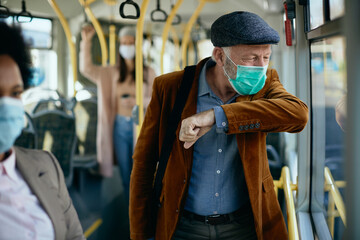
174, 120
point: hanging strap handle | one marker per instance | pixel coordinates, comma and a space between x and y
129, 2
158, 10
4, 11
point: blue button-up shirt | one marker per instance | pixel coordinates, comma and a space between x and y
217, 184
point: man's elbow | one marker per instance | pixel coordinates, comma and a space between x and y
302, 117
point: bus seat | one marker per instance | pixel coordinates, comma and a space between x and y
56, 133
53, 104
86, 125
28, 136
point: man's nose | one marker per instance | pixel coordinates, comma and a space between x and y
261, 62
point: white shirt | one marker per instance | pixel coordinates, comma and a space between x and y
21, 215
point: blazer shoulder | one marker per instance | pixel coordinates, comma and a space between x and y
169, 80
36, 156
30, 152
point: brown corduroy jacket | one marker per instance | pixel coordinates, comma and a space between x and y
272, 109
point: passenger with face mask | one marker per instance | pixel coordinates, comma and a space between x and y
116, 99
217, 183
34, 200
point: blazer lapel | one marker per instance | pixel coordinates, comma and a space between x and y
35, 175
189, 110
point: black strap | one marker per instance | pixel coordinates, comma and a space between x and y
174, 120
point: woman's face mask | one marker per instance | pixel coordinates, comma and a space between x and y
11, 121
127, 51
249, 79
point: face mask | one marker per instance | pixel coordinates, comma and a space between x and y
11, 122
127, 51
249, 79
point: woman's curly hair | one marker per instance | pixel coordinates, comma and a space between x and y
12, 43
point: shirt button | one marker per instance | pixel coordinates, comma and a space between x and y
184, 180
223, 124
177, 210
218, 171
216, 194
215, 212
219, 150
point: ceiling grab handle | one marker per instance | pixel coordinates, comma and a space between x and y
24, 13
129, 2
158, 10
4, 11
166, 32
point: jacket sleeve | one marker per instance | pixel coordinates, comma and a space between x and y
145, 159
86, 66
276, 111
74, 229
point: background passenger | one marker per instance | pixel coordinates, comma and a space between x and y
34, 200
116, 99
217, 184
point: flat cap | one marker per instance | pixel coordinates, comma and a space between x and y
242, 28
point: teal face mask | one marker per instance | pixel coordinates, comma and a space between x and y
11, 122
249, 79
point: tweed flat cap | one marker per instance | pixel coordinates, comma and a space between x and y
242, 28
127, 31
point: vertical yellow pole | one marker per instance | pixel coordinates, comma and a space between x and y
139, 65
112, 44
166, 32
68, 35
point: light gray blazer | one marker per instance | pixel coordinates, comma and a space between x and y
43, 174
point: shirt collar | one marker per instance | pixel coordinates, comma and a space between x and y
9, 165
204, 87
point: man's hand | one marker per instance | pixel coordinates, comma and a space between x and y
192, 128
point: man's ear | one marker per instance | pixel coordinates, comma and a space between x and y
219, 56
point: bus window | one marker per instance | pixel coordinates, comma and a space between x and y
316, 13
337, 9
329, 91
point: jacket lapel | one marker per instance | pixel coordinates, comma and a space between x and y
35, 176
189, 110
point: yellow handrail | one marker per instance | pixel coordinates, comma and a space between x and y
165, 33
139, 65
285, 183
98, 29
335, 199
112, 44
188, 27
68, 35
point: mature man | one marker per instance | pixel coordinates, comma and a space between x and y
217, 183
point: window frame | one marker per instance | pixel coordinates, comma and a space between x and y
330, 28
